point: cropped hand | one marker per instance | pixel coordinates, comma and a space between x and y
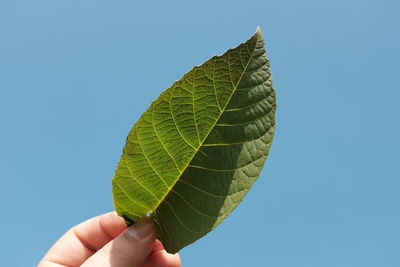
105, 241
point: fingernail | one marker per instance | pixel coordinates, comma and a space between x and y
142, 228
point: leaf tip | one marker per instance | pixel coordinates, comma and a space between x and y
258, 31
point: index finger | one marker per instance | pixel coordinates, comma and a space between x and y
83, 240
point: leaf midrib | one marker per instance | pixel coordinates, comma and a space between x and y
201, 144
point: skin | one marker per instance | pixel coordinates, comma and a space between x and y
105, 241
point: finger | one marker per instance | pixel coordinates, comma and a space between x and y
129, 249
83, 240
161, 258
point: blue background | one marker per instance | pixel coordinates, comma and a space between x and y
75, 75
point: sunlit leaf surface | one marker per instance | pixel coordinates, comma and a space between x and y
197, 150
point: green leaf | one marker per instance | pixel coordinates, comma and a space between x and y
197, 150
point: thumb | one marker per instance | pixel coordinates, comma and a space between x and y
130, 248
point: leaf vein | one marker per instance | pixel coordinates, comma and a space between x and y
148, 161
137, 181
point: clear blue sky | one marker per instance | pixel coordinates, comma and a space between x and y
75, 76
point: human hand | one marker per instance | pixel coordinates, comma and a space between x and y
106, 241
